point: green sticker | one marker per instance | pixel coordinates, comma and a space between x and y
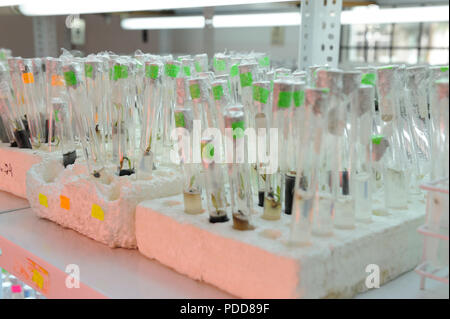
56, 116
171, 70
195, 91
88, 69
246, 79
187, 70
444, 69
299, 98
207, 151
217, 92
389, 67
219, 65
123, 71
234, 70
151, 71
284, 99
2, 55
71, 79
179, 119
120, 72
264, 61
376, 139
198, 67
260, 94
368, 79
238, 129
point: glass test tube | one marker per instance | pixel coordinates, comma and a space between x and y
362, 170
261, 103
240, 188
74, 81
309, 147
294, 136
395, 162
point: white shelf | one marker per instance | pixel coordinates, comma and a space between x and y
123, 273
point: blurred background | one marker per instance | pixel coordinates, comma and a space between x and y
114, 25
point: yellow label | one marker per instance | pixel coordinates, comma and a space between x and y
57, 80
28, 78
38, 279
97, 212
43, 200
65, 202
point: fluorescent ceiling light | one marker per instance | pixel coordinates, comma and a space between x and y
374, 15
256, 20
63, 7
181, 22
363, 15
6, 3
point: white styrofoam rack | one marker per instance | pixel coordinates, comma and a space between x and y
261, 264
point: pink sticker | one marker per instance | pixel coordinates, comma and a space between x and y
16, 289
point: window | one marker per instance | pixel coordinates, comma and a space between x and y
408, 43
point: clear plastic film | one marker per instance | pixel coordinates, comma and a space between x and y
81, 108
312, 126
362, 170
64, 129
201, 63
152, 91
11, 116
122, 106
417, 112
234, 79
294, 136
204, 108
221, 63
238, 170
192, 187
33, 90
440, 137
187, 67
395, 163
172, 70
262, 101
55, 90
221, 99
214, 182
332, 183
247, 74
16, 82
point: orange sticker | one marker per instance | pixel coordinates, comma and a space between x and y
43, 200
65, 202
57, 80
27, 78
